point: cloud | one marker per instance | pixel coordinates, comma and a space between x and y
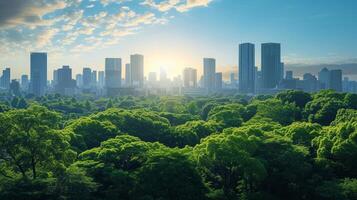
179, 5
27, 12
76, 25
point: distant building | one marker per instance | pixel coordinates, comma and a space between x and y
137, 70
94, 79
79, 80
38, 73
324, 78
309, 83
289, 75
189, 77
281, 70
218, 81
271, 64
246, 68
65, 84
209, 73
127, 75
5, 79
113, 73
87, 79
15, 88
101, 79
25, 82
336, 80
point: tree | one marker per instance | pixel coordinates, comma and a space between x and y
298, 97
169, 175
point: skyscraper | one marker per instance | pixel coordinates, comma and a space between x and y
112, 73
38, 74
190, 77
289, 75
94, 79
127, 75
246, 68
336, 80
5, 79
65, 83
79, 80
282, 71
271, 64
137, 70
87, 78
324, 78
25, 82
101, 79
218, 81
209, 73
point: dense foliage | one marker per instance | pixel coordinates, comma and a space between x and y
294, 145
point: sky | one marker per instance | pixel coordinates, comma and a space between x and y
173, 34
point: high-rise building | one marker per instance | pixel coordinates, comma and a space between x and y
5, 79
25, 82
209, 73
101, 79
282, 70
289, 75
127, 75
113, 73
246, 68
38, 74
79, 80
324, 78
55, 78
271, 64
65, 84
190, 77
15, 88
218, 81
137, 70
336, 80
152, 79
94, 79
87, 78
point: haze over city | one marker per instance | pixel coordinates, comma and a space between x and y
174, 34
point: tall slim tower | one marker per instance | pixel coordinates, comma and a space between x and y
246, 68
87, 78
127, 75
271, 64
113, 73
189, 78
38, 74
137, 70
209, 73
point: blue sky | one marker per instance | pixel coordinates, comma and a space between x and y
174, 34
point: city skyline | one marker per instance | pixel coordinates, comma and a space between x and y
173, 34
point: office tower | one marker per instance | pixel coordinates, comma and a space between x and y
38, 74
101, 79
289, 75
309, 83
127, 75
87, 78
282, 70
218, 81
113, 73
246, 68
94, 79
137, 70
65, 83
324, 78
79, 80
209, 73
5, 79
14, 88
271, 64
55, 78
152, 78
233, 81
25, 82
189, 78
336, 80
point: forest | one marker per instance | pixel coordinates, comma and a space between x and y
293, 145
